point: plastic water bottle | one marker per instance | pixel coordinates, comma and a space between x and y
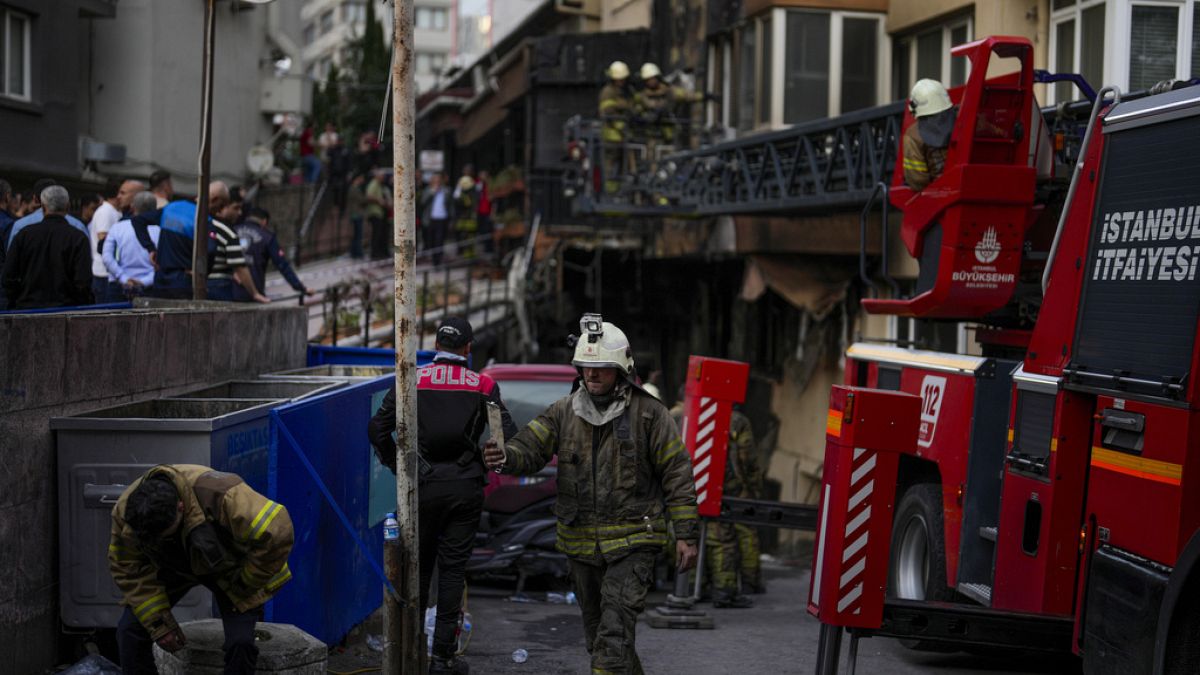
391, 528
464, 630
520, 656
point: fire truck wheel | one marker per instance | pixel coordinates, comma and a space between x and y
917, 570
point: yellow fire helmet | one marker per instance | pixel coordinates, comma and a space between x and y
602, 345
618, 71
650, 70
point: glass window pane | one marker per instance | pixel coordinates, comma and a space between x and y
958, 64
806, 82
1091, 48
764, 80
901, 69
1064, 59
1195, 72
1152, 45
16, 55
859, 63
929, 55
1059, 4
3, 54
745, 104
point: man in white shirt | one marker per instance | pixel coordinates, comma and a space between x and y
107, 215
126, 261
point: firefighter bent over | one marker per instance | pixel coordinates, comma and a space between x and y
183, 525
622, 474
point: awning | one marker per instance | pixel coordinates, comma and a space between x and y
814, 285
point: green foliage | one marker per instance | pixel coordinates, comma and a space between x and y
361, 109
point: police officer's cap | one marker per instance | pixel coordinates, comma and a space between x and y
454, 332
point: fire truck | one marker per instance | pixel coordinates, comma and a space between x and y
1044, 491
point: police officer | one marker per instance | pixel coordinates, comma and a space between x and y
926, 140
451, 415
623, 473
260, 246
182, 525
616, 104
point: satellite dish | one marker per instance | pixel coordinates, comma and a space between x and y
260, 160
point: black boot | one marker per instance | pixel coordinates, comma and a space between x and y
731, 600
450, 666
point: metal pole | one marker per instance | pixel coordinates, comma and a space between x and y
404, 647
700, 560
200, 236
829, 649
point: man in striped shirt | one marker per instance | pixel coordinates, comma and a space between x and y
172, 255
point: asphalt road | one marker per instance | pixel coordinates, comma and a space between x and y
776, 636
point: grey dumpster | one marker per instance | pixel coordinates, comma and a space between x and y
102, 451
331, 371
287, 390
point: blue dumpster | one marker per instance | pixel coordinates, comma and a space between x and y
321, 355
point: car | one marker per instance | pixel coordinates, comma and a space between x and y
527, 390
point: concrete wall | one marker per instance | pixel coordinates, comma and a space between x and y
145, 85
39, 137
62, 364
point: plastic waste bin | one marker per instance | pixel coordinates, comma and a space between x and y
287, 390
102, 451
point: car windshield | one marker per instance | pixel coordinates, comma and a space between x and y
527, 399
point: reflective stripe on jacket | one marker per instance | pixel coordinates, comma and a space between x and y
230, 535
618, 483
922, 163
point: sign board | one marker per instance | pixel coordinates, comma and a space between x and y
433, 160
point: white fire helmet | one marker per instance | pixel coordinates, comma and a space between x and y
650, 70
618, 70
602, 345
928, 97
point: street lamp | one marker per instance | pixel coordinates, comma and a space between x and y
200, 241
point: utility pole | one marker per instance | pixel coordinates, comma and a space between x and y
404, 646
200, 236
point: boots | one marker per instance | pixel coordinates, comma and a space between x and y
753, 586
450, 666
728, 599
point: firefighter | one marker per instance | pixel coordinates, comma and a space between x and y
733, 549
183, 525
623, 474
616, 104
926, 140
656, 104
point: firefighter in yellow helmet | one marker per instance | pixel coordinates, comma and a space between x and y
657, 104
926, 140
623, 474
616, 105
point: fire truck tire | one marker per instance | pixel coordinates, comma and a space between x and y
917, 569
1183, 641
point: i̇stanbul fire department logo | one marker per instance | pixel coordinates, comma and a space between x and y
988, 248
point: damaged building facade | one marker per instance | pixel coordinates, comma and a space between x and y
776, 284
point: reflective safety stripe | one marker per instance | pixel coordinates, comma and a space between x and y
583, 540
156, 603
262, 527
122, 552
916, 165
279, 579
670, 449
540, 431
262, 513
682, 512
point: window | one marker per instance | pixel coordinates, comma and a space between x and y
926, 54
326, 21
860, 63
1153, 32
747, 54
430, 63
432, 18
310, 34
806, 82
14, 55
1078, 34
354, 12
1195, 71
764, 72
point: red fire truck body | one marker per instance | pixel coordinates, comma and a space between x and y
1055, 476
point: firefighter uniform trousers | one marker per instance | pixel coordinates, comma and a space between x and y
611, 596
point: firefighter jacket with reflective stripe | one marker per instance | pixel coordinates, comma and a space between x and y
922, 163
231, 537
618, 482
661, 100
615, 106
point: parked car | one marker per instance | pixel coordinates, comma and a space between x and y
517, 529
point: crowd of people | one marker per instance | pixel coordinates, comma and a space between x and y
134, 239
